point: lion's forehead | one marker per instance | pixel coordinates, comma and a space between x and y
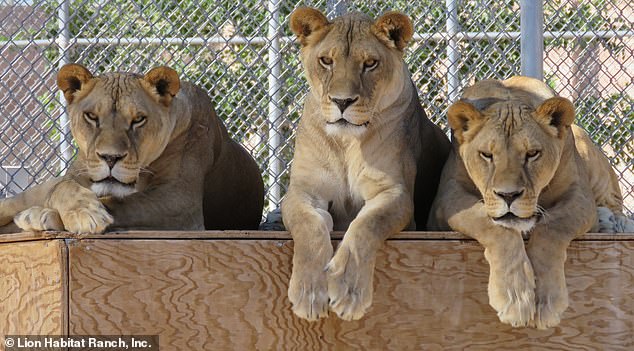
349, 31
352, 23
509, 118
116, 91
120, 85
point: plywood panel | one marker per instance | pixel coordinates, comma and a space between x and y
32, 292
430, 294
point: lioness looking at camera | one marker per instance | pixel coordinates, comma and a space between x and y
519, 166
152, 155
367, 160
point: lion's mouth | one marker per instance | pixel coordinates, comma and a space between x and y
113, 180
342, 122
512, 216
111, 186
512, 221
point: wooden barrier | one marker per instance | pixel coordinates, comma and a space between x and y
227, 291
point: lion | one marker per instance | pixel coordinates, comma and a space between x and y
367, 160
152, 155
519, 166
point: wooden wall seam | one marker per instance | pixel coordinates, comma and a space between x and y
66, 288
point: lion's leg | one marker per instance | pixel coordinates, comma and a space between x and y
310, 227
547, 246
548, 257
34, 196
79, 208
173, 206
511, 278
511, 281
351, 270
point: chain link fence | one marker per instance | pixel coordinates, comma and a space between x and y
243, 53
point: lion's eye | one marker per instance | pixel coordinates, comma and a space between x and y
325, 61
532, 154
138, 121
92, 119
369, 65
486, 155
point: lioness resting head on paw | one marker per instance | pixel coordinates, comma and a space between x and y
519, 165
152, 155
362, 137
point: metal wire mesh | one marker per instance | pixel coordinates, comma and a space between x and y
243, 53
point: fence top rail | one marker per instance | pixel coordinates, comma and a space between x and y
259, 235
262, 40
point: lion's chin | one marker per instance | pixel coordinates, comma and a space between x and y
112, 187
511, 221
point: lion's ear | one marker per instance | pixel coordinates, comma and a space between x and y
70, 79
463, 117
305, 21
166, 82
556, 114
394, 29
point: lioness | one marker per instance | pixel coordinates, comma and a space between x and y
152, 155
361, 139
519, 166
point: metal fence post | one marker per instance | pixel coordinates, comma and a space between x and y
63, 41
335, 8
453, 52
275, 165
532, 38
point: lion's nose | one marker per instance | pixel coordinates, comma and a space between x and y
110, 159
509, 197
343, 103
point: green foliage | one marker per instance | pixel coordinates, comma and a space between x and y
605, 119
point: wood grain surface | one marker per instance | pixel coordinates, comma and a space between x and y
32, 288
429, 295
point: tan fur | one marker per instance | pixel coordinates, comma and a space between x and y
152, 155
355, 170
519, 166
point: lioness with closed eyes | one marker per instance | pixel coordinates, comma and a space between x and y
367, 160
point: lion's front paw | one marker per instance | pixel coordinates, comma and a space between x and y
308, 292
512, 292
550, 307
91, 218
551, 294
38, 218
350, 283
